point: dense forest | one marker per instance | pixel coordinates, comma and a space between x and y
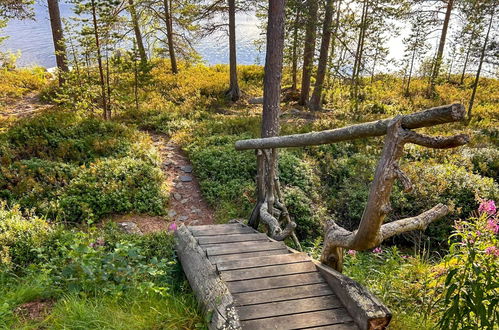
104, 157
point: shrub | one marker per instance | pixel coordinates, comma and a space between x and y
19, 237
112, 186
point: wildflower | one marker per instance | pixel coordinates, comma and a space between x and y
405, 257
493, 225
487, 206
377, 250
172, 227
352, 252
492, 250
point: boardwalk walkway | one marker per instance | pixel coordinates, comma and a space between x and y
269, 285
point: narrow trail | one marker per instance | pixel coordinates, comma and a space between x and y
186, 204
27, 106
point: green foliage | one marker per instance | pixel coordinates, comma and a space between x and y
19, 236
112, 186
471, 296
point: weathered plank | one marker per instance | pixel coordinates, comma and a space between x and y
343, 326
210, 290
268, 271
253, 247
288, 307
232, 238
282, 294
368, 312
297, 321
236, 245
264, 261
235, 229
274, 282
224, 225
238, 256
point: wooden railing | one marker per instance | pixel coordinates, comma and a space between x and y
271, 210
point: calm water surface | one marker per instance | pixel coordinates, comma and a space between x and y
34, 40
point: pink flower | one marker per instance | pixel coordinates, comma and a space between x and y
492, 250
377, 250
493, 225
172, 227
487, 206
352, 252
405, 257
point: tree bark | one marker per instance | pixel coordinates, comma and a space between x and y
316, 99
427, 118
58, 38
309, 50
441, 46
294, 68
479, 70
169, 35
136, 29
234, 92
465, 65
99, 62
358, 56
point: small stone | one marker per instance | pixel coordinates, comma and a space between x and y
195, 211
256, 100
177, 196
185, 200
193, 222
170, 148
168, 162
185, 178
186, 168
178, 185
183, 218
172, 213
130, 227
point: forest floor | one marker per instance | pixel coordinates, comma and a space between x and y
24, 107
186, 205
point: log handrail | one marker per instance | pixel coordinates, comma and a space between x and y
430, 117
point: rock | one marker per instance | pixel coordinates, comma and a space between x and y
185, 178
172, 213
185, 200
195, 211
168, 162
256, 100
130, 227
177, 196
178, 185
183, 218
186, 168
294, 111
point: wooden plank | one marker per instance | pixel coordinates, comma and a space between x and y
274, 295
288, 307
264, 261
275, 282
237, 229
368, 312
231, 238
239, 256
236, 245
297, 321
268, 271
252, 247
208, 227
343, 326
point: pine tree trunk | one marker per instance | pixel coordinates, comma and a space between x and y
234, 92
58, 38
136, 29
316, 99
169, 35
294, 69
465, 65
410, 72
441, 46
479, 70
99, 61
309, 50
358, 56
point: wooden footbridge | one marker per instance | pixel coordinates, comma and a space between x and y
247, 280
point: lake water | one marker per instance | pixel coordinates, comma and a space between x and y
34, 40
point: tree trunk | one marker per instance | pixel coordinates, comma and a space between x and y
478, 72
169, 35
316, 99
136, 29
234, 92
465, 65
294, 69
410, 72
334, 36
441, 46
58, 38
309, 50
358, 56
99, 61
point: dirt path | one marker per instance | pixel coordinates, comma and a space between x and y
24, 107
186, 205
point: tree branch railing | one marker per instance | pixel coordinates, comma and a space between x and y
270, 207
